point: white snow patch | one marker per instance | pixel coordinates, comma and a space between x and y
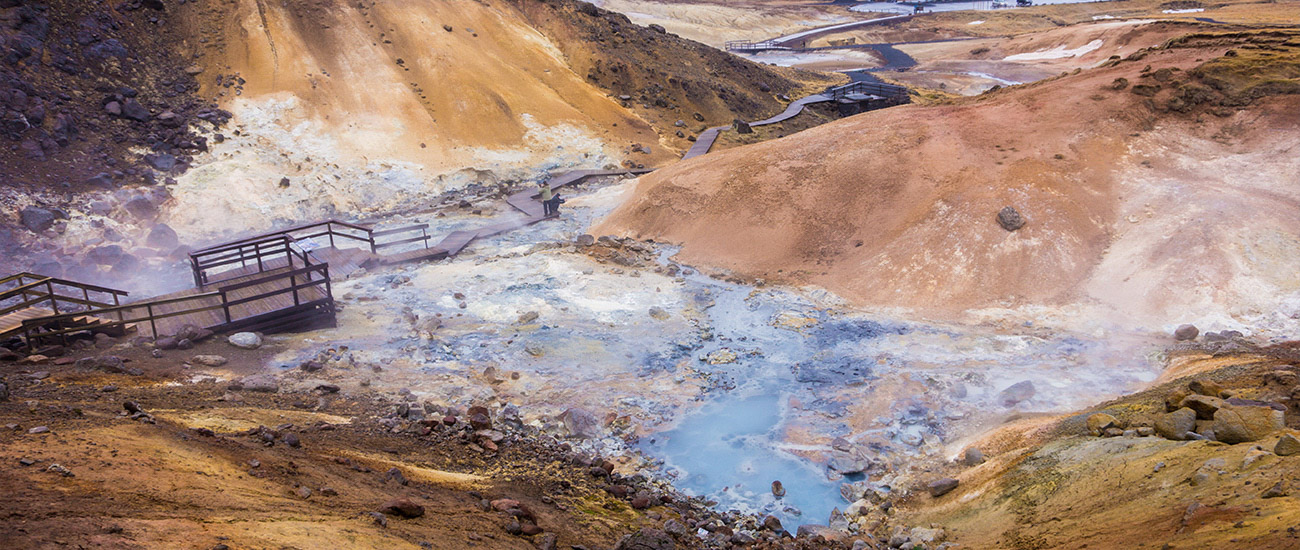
980, 22
1189, 10
1059, 52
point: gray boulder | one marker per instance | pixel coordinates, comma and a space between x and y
1175, 425
36, 219
163, 237
580, 423
1016, 393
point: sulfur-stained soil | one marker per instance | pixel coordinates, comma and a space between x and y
1048, 483
211, 462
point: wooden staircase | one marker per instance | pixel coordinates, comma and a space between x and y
36, 303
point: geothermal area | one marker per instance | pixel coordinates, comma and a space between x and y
278, 274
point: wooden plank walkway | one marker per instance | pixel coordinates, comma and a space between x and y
13, 323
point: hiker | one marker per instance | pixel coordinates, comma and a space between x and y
548, 200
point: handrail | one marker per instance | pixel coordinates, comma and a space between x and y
64, 282
286, 231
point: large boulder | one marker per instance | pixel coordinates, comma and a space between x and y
1204, 405
1175, 425
1243, 424
824, 531
36, 219
260, 383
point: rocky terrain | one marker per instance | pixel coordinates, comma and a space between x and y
954, 324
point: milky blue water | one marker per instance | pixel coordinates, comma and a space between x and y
729, 451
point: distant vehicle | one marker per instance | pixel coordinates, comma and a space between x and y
997, 5
1023, 3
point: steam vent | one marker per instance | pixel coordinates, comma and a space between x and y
649, 274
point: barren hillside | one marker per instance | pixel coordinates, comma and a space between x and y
1158, 185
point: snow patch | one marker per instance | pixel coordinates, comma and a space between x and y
1059, 52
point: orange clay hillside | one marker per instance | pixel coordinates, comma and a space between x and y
1177, 162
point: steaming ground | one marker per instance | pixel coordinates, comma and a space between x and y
894, 388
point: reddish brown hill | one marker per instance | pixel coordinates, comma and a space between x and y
1129, 202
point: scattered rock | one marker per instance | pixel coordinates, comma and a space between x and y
1100, 422
580, 423
527, 318
1277, 490
585, 240
291, 439
1016, 393
1186, 332
973, 457
303, 492
1287, 445
36, 219
659, 313
1177, 424
1204, 405
39, 430
210, 360
245, 340
259, 383
824, 531
778, 490
647, 539
402, 507
1010, 219
1205, 387
940, 487
742, 127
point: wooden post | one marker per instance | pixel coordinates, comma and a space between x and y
257, 251
153, 324
117, 302
328, 292
329, 228
54, 304
293, 283
225, 306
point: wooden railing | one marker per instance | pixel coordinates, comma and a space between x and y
33, 290
260, 249
868, 88
748, 46
150, 312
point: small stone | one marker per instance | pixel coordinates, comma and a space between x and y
527, 318
778, 490
39, 430
245, 340
1277, 490
973, 457
659, 313
941, 487
1186, 332
303, 493
1010, 219
291, 439
647, 539
210, 360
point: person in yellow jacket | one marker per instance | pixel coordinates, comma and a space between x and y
550, 204
548, 200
